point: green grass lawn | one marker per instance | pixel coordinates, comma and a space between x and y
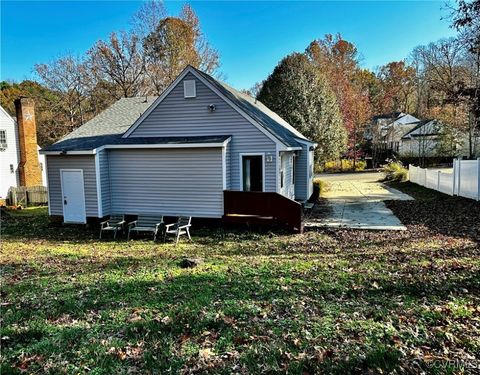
321, 302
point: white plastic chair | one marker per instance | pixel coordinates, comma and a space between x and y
182, 226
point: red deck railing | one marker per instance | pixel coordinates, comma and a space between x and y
249, 206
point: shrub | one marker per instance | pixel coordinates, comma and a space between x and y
344, 165
395, 171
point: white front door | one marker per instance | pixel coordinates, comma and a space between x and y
73, 195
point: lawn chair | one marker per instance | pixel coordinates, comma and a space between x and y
114, 224
180, 227
147, 223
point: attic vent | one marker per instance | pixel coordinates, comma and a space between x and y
189, 89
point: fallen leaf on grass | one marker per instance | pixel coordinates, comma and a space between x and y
206, 353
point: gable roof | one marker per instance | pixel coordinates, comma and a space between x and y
388, 116
432, 130
253, 110
268, 119
121, 118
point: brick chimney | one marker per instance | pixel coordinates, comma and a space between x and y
29, 167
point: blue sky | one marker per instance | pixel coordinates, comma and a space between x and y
250, 36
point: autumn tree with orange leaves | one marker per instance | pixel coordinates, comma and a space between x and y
338, 59
398, 87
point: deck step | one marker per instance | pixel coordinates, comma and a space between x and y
308, 205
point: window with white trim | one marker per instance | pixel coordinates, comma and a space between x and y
3, 139
189, 89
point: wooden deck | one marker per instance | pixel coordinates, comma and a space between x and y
262, 208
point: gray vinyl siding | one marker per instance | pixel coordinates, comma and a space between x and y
170, 182
301, 175
84, 162
104, 182
177, 116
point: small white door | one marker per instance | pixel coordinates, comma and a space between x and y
73, 195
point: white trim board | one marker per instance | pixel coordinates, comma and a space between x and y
139, 146
241, 155
46, 185
224, 167
277, 170
99, 186
167, 145
7, 114
88, 152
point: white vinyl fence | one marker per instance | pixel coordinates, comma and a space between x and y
464, 181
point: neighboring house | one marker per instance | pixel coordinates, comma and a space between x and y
385, 131
20, 161
422, 140
176, 155
404, 135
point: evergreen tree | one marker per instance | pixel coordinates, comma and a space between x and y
300, 94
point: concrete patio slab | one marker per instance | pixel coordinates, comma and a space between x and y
358, 204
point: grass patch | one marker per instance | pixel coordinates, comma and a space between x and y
28, 211
326, 301
419, 192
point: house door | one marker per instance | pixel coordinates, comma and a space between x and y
252, 173
73, 195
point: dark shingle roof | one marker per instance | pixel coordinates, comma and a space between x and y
391, 115
268, 119
106, 126
116, 119
90, 143
417, 126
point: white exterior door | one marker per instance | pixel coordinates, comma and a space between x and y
73, 195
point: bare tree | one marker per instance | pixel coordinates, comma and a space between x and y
449, 74
147, 18
66, 75
119, 61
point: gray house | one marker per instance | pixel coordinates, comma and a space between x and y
177, 154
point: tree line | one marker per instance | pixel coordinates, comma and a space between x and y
328, 96
141, 61
323, 91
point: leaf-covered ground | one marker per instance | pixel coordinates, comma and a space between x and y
322, 302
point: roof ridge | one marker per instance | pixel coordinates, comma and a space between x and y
290, 133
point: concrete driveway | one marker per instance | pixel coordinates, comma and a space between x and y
356, 200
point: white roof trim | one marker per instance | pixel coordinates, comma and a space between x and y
7, 114
137, 146
307, 142
165, 145
187, 70
87, 152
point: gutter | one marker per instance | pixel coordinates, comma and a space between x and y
139, 146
